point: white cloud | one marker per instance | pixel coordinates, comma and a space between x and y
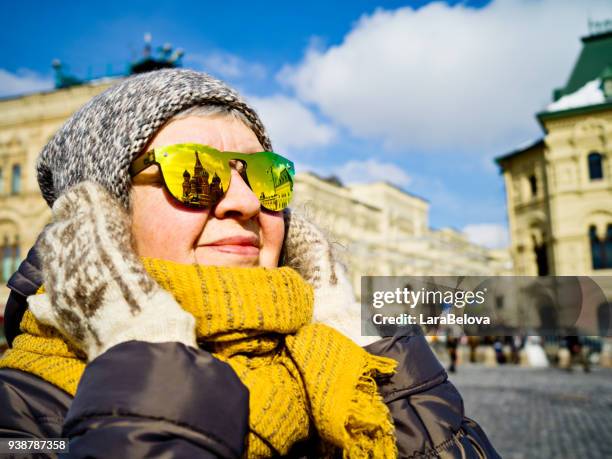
23, 81
488, 234
372, 170
447, 77
227, 65
291, 124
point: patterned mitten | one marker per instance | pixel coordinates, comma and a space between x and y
97, 292
308, 251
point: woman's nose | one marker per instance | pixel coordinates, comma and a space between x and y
239, 201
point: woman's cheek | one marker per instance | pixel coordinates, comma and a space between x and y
182, 228
163, 229
273, 229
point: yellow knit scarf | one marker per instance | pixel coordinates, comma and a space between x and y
299, 375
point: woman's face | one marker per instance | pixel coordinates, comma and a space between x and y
235, 232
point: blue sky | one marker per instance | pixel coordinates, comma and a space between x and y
423, 94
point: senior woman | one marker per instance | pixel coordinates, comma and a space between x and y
175, 307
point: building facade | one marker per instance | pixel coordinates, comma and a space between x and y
379, 229
559, 187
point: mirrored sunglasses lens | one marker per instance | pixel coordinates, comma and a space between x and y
195, 178
271, 179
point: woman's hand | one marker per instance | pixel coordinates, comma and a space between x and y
97, 292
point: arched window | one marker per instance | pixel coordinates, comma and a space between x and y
16, 179
10, 253
595, 166
601, 249
533, 185
541, 257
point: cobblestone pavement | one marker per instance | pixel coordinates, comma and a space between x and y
540, 413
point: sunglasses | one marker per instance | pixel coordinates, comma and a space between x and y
199, 176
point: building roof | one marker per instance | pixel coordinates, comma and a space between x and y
583, 92
584, 89
335, 181
331, 179
522, 148
397, 188
595, 56
590, 94
579, 103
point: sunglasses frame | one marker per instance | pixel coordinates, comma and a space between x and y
149, 158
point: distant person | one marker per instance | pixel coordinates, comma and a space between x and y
498, 345
516, 343
452, 343
578, 353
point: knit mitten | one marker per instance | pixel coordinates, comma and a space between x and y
310, 253
97, 292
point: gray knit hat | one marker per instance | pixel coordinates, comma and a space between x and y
100, 141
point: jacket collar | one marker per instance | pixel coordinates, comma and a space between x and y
23, 283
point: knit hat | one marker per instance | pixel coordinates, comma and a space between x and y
100, 141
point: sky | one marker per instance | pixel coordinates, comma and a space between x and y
422, 94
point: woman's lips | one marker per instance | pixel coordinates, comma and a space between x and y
238, 245
235, 249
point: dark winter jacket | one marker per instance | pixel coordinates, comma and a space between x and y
169, 400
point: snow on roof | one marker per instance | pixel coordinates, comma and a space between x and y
589, 94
